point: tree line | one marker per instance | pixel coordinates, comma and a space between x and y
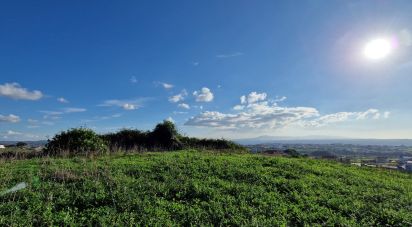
164, 137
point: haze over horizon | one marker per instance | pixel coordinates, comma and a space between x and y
216, 69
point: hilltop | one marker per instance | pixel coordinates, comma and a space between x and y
200, 188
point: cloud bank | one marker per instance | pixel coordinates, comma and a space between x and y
15, 91
256, 112
11, 118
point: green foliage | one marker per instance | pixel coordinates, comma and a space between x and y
201, 188
164, 137
127, 139
76, 141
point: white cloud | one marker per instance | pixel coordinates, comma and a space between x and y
179, 112
128, 106
55, 115
32, 121
101, 118
204, 95
386, 114
184, 106
253, 117
11, 118
280, 99
73, 110
62, 100
236, 54
36, 123
12, 133
258, 113
243, 99
343, 116
52, 115
255, 97
179, 97
15, 91
238, 107
133, 80
167, 86
170, 119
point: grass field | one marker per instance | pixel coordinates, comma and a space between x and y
201, 188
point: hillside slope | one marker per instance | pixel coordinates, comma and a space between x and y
189, 187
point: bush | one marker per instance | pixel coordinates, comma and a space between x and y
127, 139
219, 144
76, 141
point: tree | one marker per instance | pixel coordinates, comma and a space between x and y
165, 135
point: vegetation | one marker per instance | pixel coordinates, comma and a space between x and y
21, 144
200, 188
165, 136
76, 141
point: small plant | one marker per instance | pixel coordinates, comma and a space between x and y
76, 141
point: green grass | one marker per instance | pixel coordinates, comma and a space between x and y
189, 187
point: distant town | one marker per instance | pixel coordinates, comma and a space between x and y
377, 156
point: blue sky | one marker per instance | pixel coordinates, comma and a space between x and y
232, 69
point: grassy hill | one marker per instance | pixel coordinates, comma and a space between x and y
191, 187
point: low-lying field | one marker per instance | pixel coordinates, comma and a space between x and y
200, 188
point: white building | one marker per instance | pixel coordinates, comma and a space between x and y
2, 147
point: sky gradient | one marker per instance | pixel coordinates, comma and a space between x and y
232, 69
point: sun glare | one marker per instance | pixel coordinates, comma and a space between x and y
377, 49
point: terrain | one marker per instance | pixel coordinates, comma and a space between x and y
193, 187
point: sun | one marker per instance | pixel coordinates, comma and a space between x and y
377, 49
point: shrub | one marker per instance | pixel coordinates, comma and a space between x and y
127, 139
76, 141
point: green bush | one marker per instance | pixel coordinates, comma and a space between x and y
76, 141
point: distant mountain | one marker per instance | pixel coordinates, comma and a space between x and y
323, 140
30, 143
